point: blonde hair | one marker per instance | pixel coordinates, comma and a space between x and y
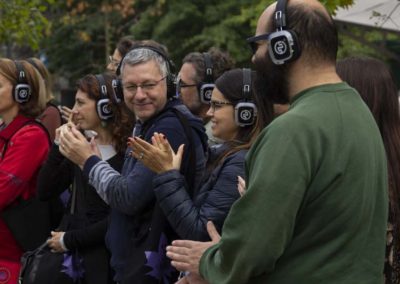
39, 66
37, 102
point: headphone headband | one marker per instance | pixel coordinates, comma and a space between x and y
33, 63
280, 15
21, 76
22, 90
206, 88
170, 64
102, 85
208, 68
246, 84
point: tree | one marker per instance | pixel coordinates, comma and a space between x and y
84, 33
23, 23
185, 26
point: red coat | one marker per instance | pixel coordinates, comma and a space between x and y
26, 152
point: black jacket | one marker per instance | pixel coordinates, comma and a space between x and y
212, 201
86, 228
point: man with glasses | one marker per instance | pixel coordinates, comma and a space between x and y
193, 80
315, 209
138, 230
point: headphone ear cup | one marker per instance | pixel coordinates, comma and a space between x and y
22, 93
104, 109
118, 91
283, 47
245, 114
205, 92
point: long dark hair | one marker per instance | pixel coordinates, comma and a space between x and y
374, 82
230, 84
121, 125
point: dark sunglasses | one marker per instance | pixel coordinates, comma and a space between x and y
252, 41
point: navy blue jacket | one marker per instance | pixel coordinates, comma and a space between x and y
212, 201
130, 194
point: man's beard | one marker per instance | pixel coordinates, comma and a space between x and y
271, 80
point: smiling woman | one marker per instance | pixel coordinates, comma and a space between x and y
96, 110
235, 117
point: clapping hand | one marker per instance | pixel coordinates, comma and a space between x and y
74, 145
66, 113
241, 186
185, 254
192, 278
159, 157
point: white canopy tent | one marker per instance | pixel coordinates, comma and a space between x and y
382, 14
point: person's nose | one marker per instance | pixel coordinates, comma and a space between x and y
140, 94
75, 109
210, 112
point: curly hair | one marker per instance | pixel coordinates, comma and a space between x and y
125, 44
121, 124
221, 61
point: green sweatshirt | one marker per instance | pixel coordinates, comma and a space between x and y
315, 210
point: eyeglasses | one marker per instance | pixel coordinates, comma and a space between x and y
181, 84
112, 61
253, 41
145, 87
215, 105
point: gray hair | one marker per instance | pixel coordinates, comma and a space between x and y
143, 55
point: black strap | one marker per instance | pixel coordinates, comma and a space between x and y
73, 197
190, 172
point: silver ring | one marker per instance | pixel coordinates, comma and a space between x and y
141, 155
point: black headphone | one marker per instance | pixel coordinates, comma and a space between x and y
171, 86
22, 91
246, 110
206, 88
283, 43
103, 107
33, 63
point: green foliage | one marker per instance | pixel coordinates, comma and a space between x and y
22, 22
84, 33
332, 5
185, 26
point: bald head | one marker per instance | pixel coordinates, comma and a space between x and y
313, 25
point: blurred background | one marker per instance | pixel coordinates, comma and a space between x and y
76, 37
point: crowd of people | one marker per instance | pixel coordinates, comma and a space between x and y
289, 173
